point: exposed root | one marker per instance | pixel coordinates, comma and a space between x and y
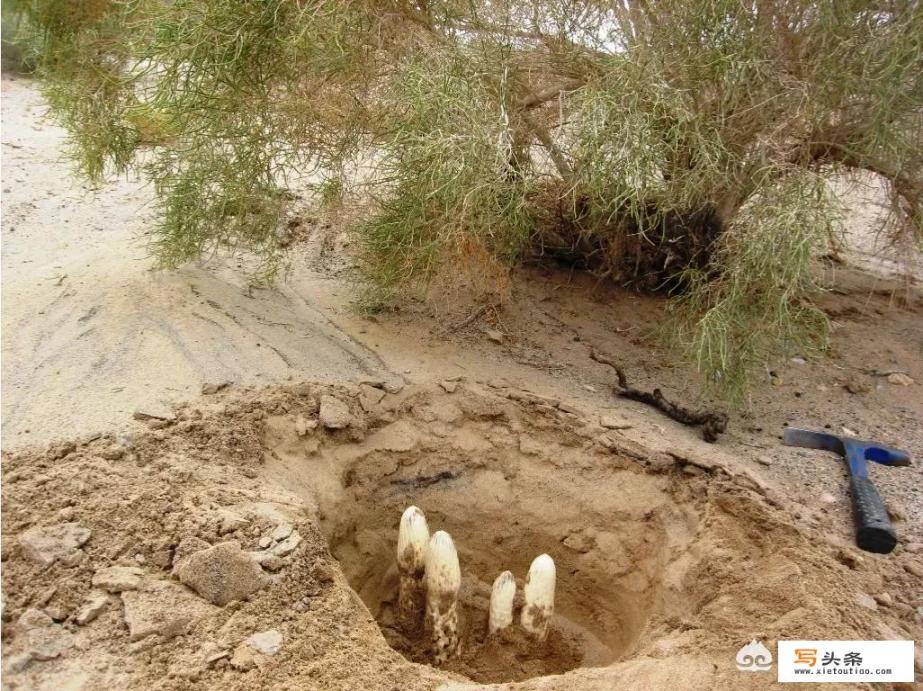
713, 422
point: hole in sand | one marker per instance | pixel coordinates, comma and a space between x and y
611, 532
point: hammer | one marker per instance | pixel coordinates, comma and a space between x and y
874, 532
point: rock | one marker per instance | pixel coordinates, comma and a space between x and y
161, 608
33, 619
579, 542
187, 546
282, 531
266, 642
393, 386
914, 569
896, 510
900, 379
827, 498
398, 437
303, 425
231, 523
113, 453
334, 414
529, 446
212, 652
612, 421
47, 545
211, 389
764, 460
92, 608
288, 545
914, 547
849, 558
116, 579
244, 658
449, 385
884, 599
49, 642
222, 573
867, 601
494, 335
370, 397
265, 542
858, 385
18, 663
272, 563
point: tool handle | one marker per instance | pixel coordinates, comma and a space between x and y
874, 532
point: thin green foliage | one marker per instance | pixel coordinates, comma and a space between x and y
671, 143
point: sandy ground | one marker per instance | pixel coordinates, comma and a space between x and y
672, 552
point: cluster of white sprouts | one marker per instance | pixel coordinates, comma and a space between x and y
430, 577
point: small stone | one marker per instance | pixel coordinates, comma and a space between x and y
266, 642
212, 652
303, 425
211, 389
334, 414
265, 542
849, 559
914, 569
914, 547
798, 361
33, 618
370, 397
900, 379
92, 608
162, 414
884, 599
449, 386
282, 531
188, 545
231, 523
323, 573
611, 421
18, 663
764, 460
222, 573
529, 446
867, 601
858, 385
48, 643
244, 658
393, 386
48, 544
113, 453
272, 563
160, 608
288, 545
398, 437
827, 498
494, 335
896, 511
116, 579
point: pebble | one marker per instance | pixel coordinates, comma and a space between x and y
914, 569
827, 498
116, 579
370, 397
265, 542
611, 421
449, 385
244, 658
900, 379
764, 460
884, 599
282, 531
867, 601
288, 545
222, 573
92, 608
334, 414
529, 446
160, 608
494, 335
266, 642
47, 545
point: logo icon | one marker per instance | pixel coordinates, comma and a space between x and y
754, 657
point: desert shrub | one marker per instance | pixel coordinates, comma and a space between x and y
675, 145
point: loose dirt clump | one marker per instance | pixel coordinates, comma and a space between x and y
666, 564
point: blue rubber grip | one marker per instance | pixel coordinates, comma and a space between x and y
874, 532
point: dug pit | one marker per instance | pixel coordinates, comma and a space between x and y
508, 483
